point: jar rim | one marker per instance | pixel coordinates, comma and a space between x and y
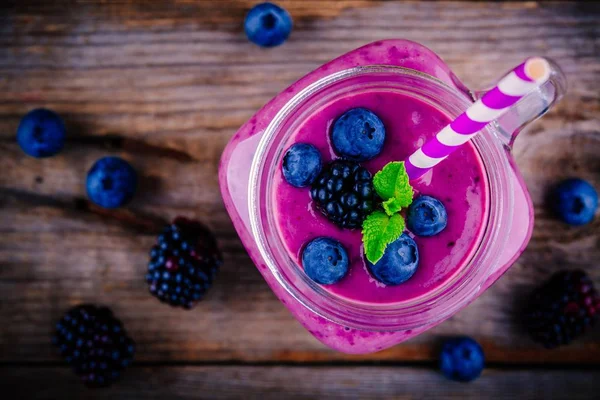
426, 309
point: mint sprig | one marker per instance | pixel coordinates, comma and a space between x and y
381, 228
392, 183
391, 206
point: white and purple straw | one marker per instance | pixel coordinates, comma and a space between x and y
519, 82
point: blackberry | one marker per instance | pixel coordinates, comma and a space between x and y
183, 264
562, 308
343, 192
94, 343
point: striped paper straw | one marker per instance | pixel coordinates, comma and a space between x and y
519, 82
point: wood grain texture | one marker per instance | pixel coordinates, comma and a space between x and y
263, 382
166, 84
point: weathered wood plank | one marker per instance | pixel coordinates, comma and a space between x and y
240, 319
173, 80
230, 382
153, 84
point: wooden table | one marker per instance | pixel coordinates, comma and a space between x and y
165, 84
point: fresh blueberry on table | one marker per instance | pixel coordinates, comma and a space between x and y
268, 25
461, 359
183, 263
399, 262
111, 182
41, 133
325, 260
426, 216
93, 341
358, 135
301, 164
575, 201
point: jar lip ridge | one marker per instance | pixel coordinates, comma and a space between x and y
375, 317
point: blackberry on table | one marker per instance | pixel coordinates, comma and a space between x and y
94, 343
343, 192
562, 308
183, 264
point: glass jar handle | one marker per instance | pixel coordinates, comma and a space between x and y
531, 106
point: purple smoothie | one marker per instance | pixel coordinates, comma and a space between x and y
459, 182
235, 179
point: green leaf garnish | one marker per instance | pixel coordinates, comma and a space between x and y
379, 230
382, 228
392, 183
391, 206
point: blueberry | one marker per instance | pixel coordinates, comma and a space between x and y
358, 135
325, 260
111, 182
41, 133
399, 262
268, 25
461, 359
426, 216
301, 164
575, 201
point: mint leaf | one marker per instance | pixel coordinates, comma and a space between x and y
392, 183
391, 206
382, 228
379, 230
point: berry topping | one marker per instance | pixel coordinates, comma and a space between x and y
301, 164
358, 135
575, 201
268, 25
111, 182
95, 344
343, 192
399, 262
325, 260
426, 216
41, 133
183, 264
562, 308
461, 359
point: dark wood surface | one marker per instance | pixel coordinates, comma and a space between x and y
316, 382
165, 84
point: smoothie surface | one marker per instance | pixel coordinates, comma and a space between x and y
459, 182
